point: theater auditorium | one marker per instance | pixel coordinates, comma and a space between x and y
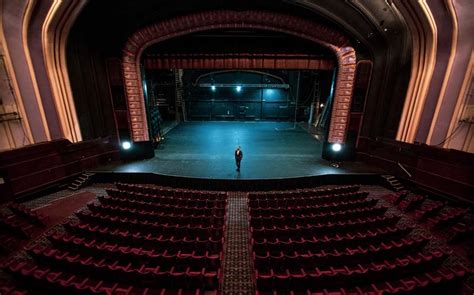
236, 147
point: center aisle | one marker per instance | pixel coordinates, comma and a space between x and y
237, 273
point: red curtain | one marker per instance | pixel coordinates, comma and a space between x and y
237, 61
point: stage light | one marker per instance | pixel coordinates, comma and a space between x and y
126, 145
213, 88
336, 147
269, 91
321, 105
238, 88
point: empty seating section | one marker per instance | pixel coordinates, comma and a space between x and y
428, 210
28, 214
19, 226
412, 203
448, 217
341, 241
136, 240
461, 231
143, 239
398, 197
437, 215
15, 226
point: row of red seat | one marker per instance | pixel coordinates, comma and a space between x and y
15, 226
175, 211
448, 217
145, 275
210, 257
303, 192
172, 192
65, 283
342, 243
6, 288
337, 276
185, 202
440, 281
460, 231
188, 229
326, 208
9, 242
125, 228
157, 242
310, 201
167, 209
334, 257
429, 209
179, 238
28, 214
203, 219
434, 212
325, 228
204, 208
396, 198
411, 203
301, 219
135, 255
331, 241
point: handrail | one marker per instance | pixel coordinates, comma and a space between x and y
404, 169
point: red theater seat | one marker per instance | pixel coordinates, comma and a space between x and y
138, 240
340, 243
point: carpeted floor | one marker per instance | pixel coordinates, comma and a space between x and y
237, 275
59, 209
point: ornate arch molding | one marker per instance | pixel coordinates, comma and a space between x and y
420, 22
55, 30
225, 19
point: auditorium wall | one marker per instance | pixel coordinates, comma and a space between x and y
436, 108
89, 83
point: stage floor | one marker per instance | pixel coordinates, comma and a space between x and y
271, 150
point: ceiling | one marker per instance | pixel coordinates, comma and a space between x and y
371, 24
240, 41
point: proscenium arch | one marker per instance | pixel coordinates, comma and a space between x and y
226, 19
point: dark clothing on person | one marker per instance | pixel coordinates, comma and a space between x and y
238, 157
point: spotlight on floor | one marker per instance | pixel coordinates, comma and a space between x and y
213, 88
336, 147
238, 88
335, 151
126, 145
136, 150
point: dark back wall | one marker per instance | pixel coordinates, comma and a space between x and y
292, 88
226, 103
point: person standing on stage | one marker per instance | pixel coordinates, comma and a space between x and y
238, 157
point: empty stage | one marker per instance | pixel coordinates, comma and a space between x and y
206, 150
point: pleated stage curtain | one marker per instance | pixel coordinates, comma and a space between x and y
237, 61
